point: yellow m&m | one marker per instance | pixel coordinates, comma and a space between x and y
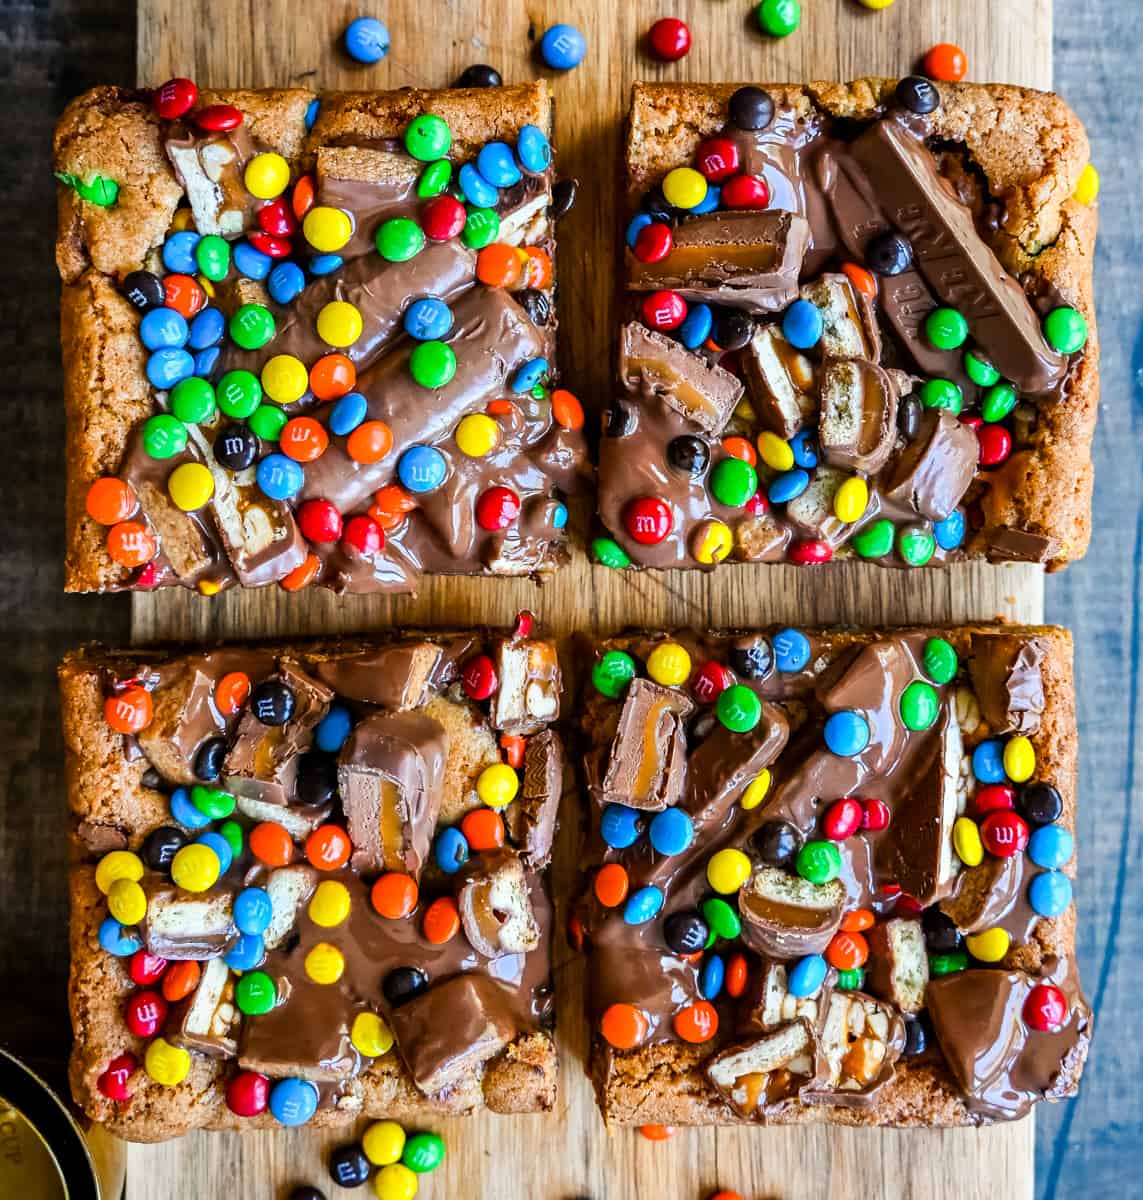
324, 963
127, 902
370, 1036
383, 1143
477, 435
967, 843
395, 1182
497, 785
774, 452
166, 1064
330, 904
669, 664
851, 500
195, 868
285, 379
712, 542
327, 229
1019, 759
339, 323
756, 790
190, 486
119, 864
1087, 186
267, 176
727, 871
684, 187
990, 945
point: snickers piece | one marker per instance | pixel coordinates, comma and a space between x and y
647, 765
209, 1017
496, 910
401, 676
747, 260
858, 415
1005, 673
932, 473
263, 762
452, 1029
391, 777
180, 925
766, 1075
528, 692
898, 965
762, 539
916, 851
779, 380
183, 718
288, 888
785, 916
861, 1040
650, 363
956, 262
849, 323
210, 170
531, 817
768, 1003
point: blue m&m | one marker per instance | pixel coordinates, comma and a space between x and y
366, 40
709, 202
333, 728
1050, 893
207, 329
477, 190
950, 532
643, 906
250, 262
206, 360
806, 976
163, 328
619, 826
698, 322
246, 953
325, 264
804, 449
846, 733
312, 110
428, 320
178, 252
220, 846
988, 762
529, 374
116, 940
802, 324
563, 47
497, 164
637, 222
347, 413
422, 469
533, 149
1051, 846
788, 486
253, 910
712, 976
293, 1101
280, 477
791, 650
165, 368
186, 813
671, 831
450, 850
286, 283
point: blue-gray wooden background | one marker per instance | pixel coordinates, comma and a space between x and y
52, 49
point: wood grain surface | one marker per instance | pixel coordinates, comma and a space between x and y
569, 1154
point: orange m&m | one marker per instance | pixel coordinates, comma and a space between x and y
303, 439
131, 544
231, 692
129, 711
270, 843
847, 951
697, 1022
611, 884
394, 895
441, 921
623, 1026
110, 500
369, 442
328, 847
332, 376
483, 829
302, 575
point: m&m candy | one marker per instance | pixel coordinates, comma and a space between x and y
366, 40
563, 47
293, 1101
669, 39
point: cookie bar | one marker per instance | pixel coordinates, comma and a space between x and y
309, 339
309, 880
859, 323
831, 876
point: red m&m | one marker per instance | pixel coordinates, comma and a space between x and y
1045, 1008
319, 521
145, 968
113, 1082
995, 444
717, 158
364, 535
479, 677
218, 118
992, 797
443, 218
745, 191
809, 553
276, 219
669, 39
842, 819
268, 243
653, 242
874, 815
664, 310
248, 1094
709, 682
647, 519
1004, 833
176, 98
497, 508
145, 1013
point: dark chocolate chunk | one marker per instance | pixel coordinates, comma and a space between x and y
563, 197
685, 932
317, 778
161, 845
732, 329
236, 447
1020, 545
751, 108
688, 454
402, 984
272, 702
941, 934
918, 95
1040, 804
348, 1166
777, 842
536, 305
752, 658
208, 761
888, 254
144, 290
479, 75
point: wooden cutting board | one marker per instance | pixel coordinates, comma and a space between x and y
569, 1154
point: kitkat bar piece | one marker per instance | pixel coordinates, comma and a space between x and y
309, 883
310, 339
850, 900
918, 378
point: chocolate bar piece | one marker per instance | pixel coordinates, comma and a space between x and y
400, 676
496, 910
646, 768
180, 926
788, 917
747, 260
861, 1040
780, 381
849, 322
858, 415
898, 963
932, 473
390, 774
1007, 681
210, 1017
701, 391
531, 819
528, 688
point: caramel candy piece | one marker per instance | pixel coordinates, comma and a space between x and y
391, 776
1006, 678
780, 380
747, 260
848, 319
528, 695
208, 1019
496, 910
648, 760
931, 473
766, 1075
182, 540
785, 916
652, 363
858, 415
531, 818
813, 513
761, 539
898, 966
861, 1040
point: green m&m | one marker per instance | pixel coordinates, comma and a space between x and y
613, 673
423, 1152
428, 138
919, 705
481, 228
997, 402
778, 18
255, 993
164, 436
946, 964
212, 802
212, 254
234, 836
946, 328
399, 239
720, 916
733, 481
916, 544
252, 326
818, 862
268, 421
434, 179
1065, 330
239, 393
850, 980
100, 190
738, 708
939, 660
875, 540
432, 364
980, 370
941, 393
192, 400
610, 553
